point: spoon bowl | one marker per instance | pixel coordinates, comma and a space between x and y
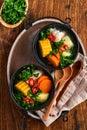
58, 74
76, 69
67, 72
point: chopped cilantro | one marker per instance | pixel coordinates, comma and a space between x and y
13, 11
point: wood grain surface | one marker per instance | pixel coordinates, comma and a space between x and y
11, 118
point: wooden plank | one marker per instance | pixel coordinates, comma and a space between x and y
10, 116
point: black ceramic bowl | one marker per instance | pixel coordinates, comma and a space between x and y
14, 91
61, 27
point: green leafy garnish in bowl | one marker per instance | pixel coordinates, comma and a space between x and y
13, 11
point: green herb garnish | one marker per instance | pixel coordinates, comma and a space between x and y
13, 11
55, 47
43, 34
26, 73
65, 61
19, 99
33, 96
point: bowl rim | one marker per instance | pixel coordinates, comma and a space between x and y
35, 39
13, 25
43, 105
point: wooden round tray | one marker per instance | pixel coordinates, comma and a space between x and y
21, 52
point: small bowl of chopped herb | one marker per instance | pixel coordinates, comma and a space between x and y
32, 87
56, 46
12, 12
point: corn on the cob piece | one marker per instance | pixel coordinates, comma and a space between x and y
23, 87
45, 47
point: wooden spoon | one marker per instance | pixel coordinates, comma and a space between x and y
58, 74
76, 68
67, 72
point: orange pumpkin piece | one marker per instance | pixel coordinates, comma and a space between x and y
45, 85
41, 78
53, 60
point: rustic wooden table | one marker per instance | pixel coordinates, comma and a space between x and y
10, 116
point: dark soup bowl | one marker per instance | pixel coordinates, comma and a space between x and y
32, 87
55, 46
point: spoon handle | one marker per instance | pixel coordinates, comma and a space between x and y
49, 108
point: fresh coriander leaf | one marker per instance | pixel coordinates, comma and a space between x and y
42, 35
48, 31
64, 61
36, 75
13, 11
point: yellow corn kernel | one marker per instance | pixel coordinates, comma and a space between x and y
25, 91
45, 47
22, 86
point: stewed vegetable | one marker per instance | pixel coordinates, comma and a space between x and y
31, 87
56, 47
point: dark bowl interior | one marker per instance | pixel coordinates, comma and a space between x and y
13, 90
61, 27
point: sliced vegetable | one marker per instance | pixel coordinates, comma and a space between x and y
53, 60
30, 82
41, 78
45, 86
42, 97
51, 37
63, 47
57, 33
35, 90
68, 41
28, 100
36, 84
66, 54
